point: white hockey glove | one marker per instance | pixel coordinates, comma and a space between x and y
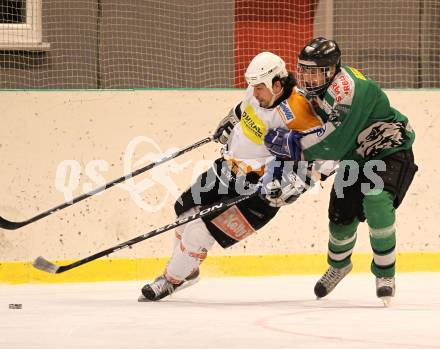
278, 193
283, 189
225, 127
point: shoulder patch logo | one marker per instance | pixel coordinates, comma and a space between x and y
285, 112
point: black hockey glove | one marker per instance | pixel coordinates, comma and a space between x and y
225, 126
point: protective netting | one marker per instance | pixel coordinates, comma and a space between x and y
81, 44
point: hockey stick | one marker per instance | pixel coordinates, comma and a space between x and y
43, 264
10, 225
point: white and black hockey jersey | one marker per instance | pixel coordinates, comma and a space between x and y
245, 148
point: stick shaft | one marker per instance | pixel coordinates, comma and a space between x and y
11, 225
206, 211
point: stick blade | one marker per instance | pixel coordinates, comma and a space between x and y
43, 264
5, 224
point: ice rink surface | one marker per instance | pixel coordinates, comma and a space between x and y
261, 312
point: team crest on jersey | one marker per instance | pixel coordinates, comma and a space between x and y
379, 136
253, 127
285, 111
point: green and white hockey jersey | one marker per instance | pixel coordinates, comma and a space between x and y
358, 122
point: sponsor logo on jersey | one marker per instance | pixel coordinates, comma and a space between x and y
345, 84
253, 127
285, 112
233, 223
342, 88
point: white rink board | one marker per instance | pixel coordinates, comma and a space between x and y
270, 312
42, 129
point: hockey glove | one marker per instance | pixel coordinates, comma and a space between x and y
283, 143
225, 127
279, 191
277, 194
285, 181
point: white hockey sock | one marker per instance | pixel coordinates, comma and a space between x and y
179, 230
192, 249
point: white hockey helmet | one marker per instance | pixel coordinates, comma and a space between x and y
263, 68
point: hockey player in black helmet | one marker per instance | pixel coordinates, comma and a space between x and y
318, 63
359, 126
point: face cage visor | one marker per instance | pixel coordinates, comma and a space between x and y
312, 79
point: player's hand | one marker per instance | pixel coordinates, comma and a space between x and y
283, 143
279, 192
225, 127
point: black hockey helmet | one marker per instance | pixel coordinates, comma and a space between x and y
320, 54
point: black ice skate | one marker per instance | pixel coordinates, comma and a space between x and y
385, 289
330, 279
162, 288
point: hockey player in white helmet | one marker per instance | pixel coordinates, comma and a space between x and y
244, 157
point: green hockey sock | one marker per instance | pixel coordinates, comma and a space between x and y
341, 242
380, 213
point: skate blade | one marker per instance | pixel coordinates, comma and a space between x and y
386, 301
143, 299
187, 284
